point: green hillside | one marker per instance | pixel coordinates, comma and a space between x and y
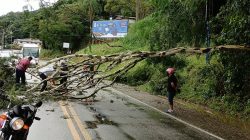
212, 85
200, 82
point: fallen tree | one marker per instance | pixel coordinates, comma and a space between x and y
112, 66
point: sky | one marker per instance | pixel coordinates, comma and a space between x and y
7, 6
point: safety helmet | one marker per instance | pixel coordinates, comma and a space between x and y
170, 71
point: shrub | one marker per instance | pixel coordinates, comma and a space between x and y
247, 109
137, 75
48, 54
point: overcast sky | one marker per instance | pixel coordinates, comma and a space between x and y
7, 6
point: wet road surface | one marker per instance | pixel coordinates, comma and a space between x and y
110, 116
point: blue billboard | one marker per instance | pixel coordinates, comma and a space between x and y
110, 28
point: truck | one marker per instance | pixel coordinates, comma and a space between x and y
32, 50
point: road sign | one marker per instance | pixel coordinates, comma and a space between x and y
65, 45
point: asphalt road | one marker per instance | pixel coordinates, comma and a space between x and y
110, 116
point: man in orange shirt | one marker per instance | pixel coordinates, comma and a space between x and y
21, 68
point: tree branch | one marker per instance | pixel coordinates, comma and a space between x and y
78, 82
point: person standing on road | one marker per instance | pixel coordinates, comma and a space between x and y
21, 68
44, 73
63, 74
92, 72
171, 88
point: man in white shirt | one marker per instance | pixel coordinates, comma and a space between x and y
44, 73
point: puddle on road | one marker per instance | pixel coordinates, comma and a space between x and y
92, 109
91, 124
139, 107
101, 119
89, 101
50, 110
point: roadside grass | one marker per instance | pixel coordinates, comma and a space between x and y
50, 54
139, 34
227, 118
102, 49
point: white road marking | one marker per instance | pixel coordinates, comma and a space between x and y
171, 116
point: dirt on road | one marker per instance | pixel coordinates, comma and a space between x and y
200, 116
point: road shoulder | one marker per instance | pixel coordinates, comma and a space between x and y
197, 115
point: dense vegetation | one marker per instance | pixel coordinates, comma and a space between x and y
223, 84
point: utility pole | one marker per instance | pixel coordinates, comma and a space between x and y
91, 14
138, 7
91, 18
207, 32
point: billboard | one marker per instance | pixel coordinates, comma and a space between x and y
110, 28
